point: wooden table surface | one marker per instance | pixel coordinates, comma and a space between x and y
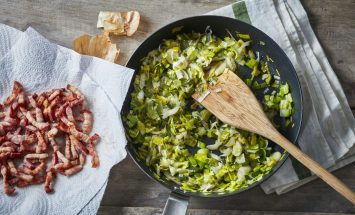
129, 190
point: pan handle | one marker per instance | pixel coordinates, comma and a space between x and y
176, 204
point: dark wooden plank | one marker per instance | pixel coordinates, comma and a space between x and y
62, 21
155, 211
129, 187
334, 25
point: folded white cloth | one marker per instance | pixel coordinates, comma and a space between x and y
40, 65
328, 127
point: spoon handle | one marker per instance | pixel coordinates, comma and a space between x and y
317, 169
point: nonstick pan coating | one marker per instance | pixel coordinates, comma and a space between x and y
220, 26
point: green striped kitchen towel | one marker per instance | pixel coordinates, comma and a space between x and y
328, 130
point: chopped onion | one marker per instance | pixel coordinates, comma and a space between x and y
203, 96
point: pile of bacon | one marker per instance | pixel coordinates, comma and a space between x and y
42, 135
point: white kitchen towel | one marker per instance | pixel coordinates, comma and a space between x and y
328, 127
40, 65
94, 204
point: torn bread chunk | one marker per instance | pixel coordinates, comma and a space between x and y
98, 46
118, 23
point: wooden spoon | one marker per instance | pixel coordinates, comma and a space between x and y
236, 105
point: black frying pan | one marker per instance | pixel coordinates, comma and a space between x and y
220, 26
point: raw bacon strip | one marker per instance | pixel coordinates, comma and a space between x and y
11, 121
9, 144
37, 156
75, 91
78, 135
76, 102
73, 170
45, 109
21, 99
48, 184
32, 101
54, 146
40, 100
60, 110
7, 188
6, 149
6, 125
36, 170
13, 108
55, 159
82, 159
53, 104
73, 150
13, 181
12, 168
42, 145
11, 111
67, 147
54, 95
87, 124
29, 139
63, 166
38, 180
25, 177
39, 115
51, 133
62, 157
31, 128
19, 115
17, 139
10, 155
69, 113
61, 126
78, 144
66, 121
2, 129
39, 125
26, 148
28, 164
95, 159
18, 131
23, 122
16, 90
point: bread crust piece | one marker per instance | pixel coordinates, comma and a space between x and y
98, 46
118, 23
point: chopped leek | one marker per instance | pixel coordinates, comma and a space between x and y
165, 122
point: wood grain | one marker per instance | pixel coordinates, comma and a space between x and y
61, 21
128, 186
334, 25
